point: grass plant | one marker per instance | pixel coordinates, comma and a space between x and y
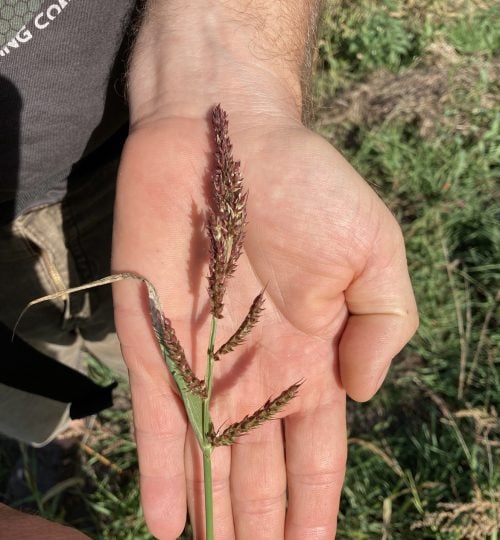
226, 223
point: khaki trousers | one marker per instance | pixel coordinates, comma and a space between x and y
43, 251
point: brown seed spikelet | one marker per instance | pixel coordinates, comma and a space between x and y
266, 412
217, 265
245, 327
230, 199
166, 336
176, 353
228, 218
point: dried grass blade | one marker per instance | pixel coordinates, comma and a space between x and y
192, 400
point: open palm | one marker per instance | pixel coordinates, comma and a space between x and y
339, 307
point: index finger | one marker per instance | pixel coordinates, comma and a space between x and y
159, 418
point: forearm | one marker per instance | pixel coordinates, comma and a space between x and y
14, 524
250, 54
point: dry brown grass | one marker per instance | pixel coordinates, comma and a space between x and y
486, 424
420, 95
442, 10
474, 520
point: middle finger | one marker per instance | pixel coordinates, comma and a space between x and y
258, 483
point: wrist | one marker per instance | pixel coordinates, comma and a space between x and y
187, 58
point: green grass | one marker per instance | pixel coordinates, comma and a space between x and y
359, 37
422, 453
428, 438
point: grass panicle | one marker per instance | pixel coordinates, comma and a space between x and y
267, 412
227, 220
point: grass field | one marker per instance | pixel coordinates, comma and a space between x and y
408, 91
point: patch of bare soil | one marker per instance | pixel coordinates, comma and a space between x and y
441, 83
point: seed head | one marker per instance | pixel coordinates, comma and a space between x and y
245, 327
228, 218
168, 340
266, 412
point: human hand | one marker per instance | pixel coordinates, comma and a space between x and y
339, 301
339, 307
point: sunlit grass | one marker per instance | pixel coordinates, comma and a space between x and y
422, 453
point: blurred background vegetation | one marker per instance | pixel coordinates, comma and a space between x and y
408, 91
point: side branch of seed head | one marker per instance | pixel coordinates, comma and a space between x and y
167, 338
266, 412
177, 355
245, 327
228, 218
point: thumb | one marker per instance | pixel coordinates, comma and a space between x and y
382, 315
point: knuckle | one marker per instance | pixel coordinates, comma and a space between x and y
262, 505
322, 474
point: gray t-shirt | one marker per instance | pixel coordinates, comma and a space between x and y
61, 97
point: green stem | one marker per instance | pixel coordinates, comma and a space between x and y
209, 505
210, 357
207, 448
209, 379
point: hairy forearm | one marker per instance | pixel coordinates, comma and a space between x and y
253, 54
